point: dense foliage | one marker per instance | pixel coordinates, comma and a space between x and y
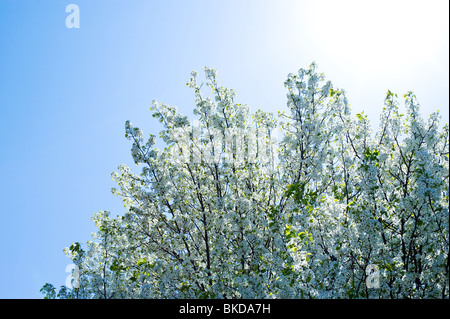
246, 205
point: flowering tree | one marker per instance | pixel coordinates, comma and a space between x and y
241, 205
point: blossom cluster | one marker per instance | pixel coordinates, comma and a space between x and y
244, 205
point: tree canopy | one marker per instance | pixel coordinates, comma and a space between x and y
306, 204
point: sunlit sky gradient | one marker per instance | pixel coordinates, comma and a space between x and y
65, 94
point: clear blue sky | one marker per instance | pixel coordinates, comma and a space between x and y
65, 94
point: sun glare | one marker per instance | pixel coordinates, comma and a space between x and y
380, 36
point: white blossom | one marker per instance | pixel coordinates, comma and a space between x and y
227, 210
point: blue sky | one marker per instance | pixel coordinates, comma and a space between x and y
65, 94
